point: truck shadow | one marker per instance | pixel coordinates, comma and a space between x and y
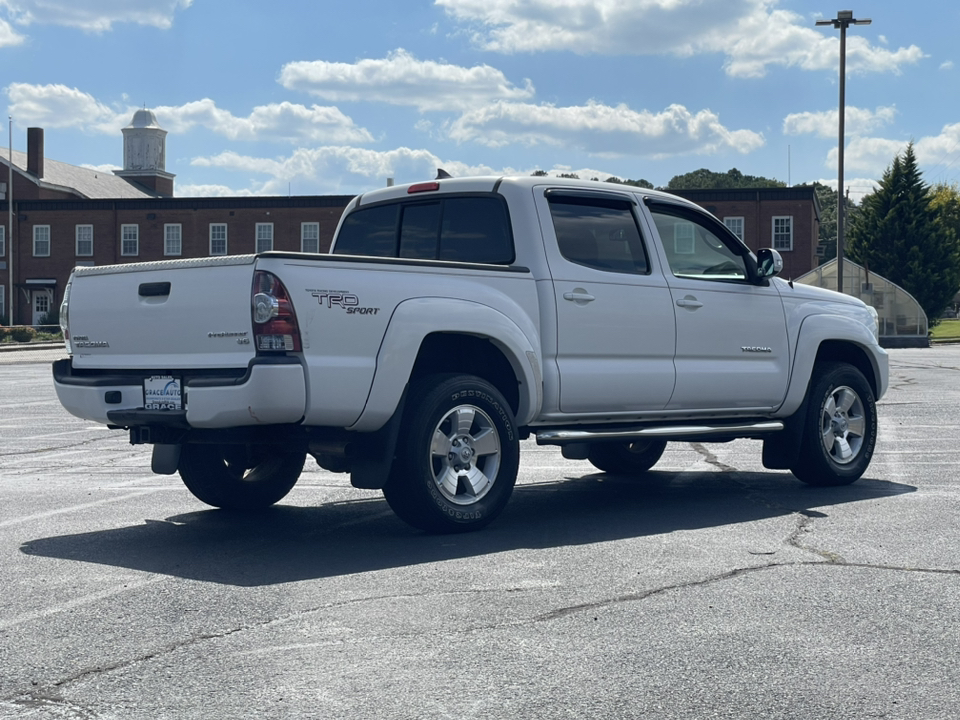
288, 543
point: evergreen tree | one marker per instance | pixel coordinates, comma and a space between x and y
897, 235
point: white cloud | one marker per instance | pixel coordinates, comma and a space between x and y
948, 65
58, 106
8, 36
752, 34
867, 155
603, 130
871, 156
94, 15
277, 122
857, 121
855, 187
401, 79
186, 190
329, 169
346, 170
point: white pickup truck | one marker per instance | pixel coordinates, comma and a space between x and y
456, 317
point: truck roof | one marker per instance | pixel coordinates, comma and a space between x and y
491, 183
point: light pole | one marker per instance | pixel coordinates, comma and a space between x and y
843, 20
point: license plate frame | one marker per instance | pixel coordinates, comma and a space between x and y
162, 392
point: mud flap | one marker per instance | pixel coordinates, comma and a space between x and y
166, 459
371, 471
782, 450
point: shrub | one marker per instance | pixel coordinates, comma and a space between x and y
23, 334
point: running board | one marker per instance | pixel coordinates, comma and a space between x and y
665, 432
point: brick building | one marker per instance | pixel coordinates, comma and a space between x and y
785, 219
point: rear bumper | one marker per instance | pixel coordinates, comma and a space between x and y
272, 391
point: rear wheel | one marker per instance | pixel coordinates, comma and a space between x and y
239, 477
458, 455
626, 458
840, 429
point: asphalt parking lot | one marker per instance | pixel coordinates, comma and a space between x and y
713, 588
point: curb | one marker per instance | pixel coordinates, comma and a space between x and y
14, 347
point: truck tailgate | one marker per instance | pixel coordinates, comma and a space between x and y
176, 314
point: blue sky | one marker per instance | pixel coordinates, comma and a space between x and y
322, 97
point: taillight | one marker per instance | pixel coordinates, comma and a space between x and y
65, 317
275, 326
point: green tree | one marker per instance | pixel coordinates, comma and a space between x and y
828, 218
899, 235
946, 202
635, 183
704, 179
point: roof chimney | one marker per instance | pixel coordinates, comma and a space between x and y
35, 151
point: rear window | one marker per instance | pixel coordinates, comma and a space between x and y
461, 229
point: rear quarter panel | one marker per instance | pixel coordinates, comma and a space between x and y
344, 308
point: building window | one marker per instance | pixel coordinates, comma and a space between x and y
84, 240
264, 237
310, 237
41, 241
130, 240
172, 239
218, 238
735, 225
683, 240
3, 241
3, 302
783, 232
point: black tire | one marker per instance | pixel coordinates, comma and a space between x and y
239, 477
458, 454
840, 429
626, 458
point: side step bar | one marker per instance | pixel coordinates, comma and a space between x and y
664, 432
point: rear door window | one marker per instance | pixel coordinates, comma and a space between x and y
598, 232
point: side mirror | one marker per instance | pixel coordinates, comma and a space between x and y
769, 262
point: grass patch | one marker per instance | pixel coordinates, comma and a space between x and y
945, 331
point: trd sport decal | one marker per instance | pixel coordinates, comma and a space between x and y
347, 302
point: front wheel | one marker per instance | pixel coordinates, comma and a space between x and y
458, 455
239, 477
626, 458
840, 429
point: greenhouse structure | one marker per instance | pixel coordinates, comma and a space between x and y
903, 323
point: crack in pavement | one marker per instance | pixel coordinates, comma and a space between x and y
643, 595
804, 517
60, 448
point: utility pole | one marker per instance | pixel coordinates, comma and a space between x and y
10, 315
843, 20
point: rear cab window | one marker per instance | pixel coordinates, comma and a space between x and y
458, 228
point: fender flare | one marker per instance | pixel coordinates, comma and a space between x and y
814, 331
415, 319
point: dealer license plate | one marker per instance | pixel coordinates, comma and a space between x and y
161, 392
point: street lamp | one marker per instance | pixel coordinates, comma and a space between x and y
843, 20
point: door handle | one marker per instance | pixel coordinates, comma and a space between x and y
579, 296
689, 302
